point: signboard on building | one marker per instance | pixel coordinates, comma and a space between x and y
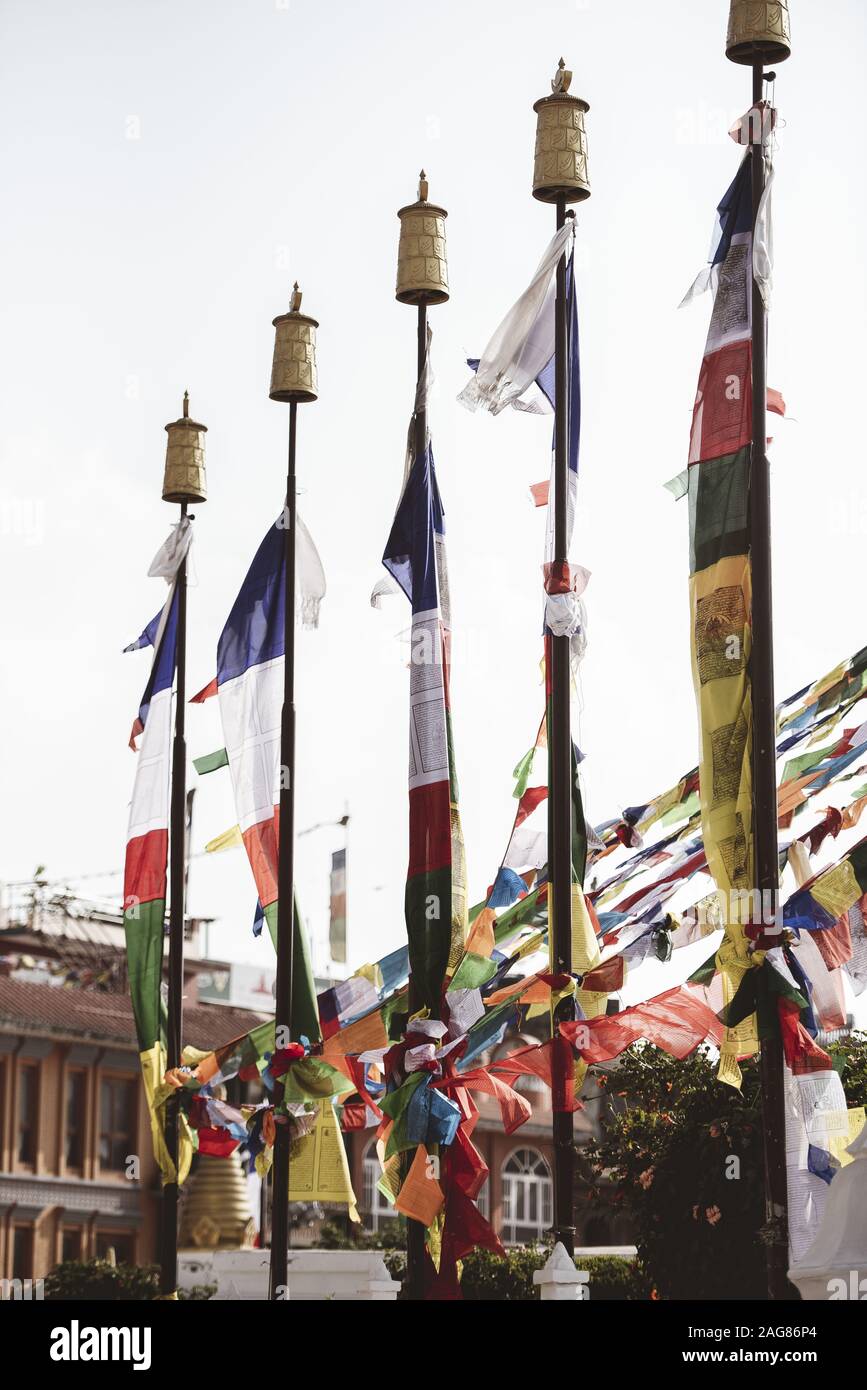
244, 986
337, 928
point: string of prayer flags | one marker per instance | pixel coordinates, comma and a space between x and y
675, 1021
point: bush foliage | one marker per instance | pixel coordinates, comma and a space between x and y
97, 1281
500, 1279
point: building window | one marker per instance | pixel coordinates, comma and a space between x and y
483, 1201
22, 1252
121, 1242
527, 1197
378, 1211
71, 1243
28, 1113
117, 1111
76, 1095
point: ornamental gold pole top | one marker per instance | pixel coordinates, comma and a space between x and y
184, 477
422, 272
560, 166
562, 79
294, 377
758, 32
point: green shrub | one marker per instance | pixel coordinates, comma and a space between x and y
492, 1278
488, 1278
613, 1279
97, 1281
333, 1237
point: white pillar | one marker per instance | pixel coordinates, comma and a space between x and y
560, 1280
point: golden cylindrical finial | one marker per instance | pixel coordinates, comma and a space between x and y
184, 479
293, 371
560, 166
422, 270
758, 32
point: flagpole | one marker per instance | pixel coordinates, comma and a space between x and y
560, 177
560, 791
415, 1231
753, 40
293, 380
421, 280
765, 759
184, 482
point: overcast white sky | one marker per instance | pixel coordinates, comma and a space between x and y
169, 169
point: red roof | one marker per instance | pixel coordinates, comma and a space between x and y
85, 1013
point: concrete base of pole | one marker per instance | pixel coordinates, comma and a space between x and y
560, 1281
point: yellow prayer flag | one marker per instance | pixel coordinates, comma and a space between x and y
228, 840
318, 1170
153, 1066
837, 890
839, 1143
585, 948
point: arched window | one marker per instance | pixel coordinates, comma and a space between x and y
527, 1197
483, 1201
376, 1209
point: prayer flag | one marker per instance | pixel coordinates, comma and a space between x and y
435, 900
249, 684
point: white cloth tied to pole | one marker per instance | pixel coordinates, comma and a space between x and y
172, 552
524, 342
763, 240
310, 576
566, 616
165, 565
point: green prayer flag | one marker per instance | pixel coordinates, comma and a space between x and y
211, 762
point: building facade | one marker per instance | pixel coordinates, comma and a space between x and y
77, 1173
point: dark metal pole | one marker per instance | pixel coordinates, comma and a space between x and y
286, 892
415, 1246
764, 744
263, 1213
177, 885
560, 790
